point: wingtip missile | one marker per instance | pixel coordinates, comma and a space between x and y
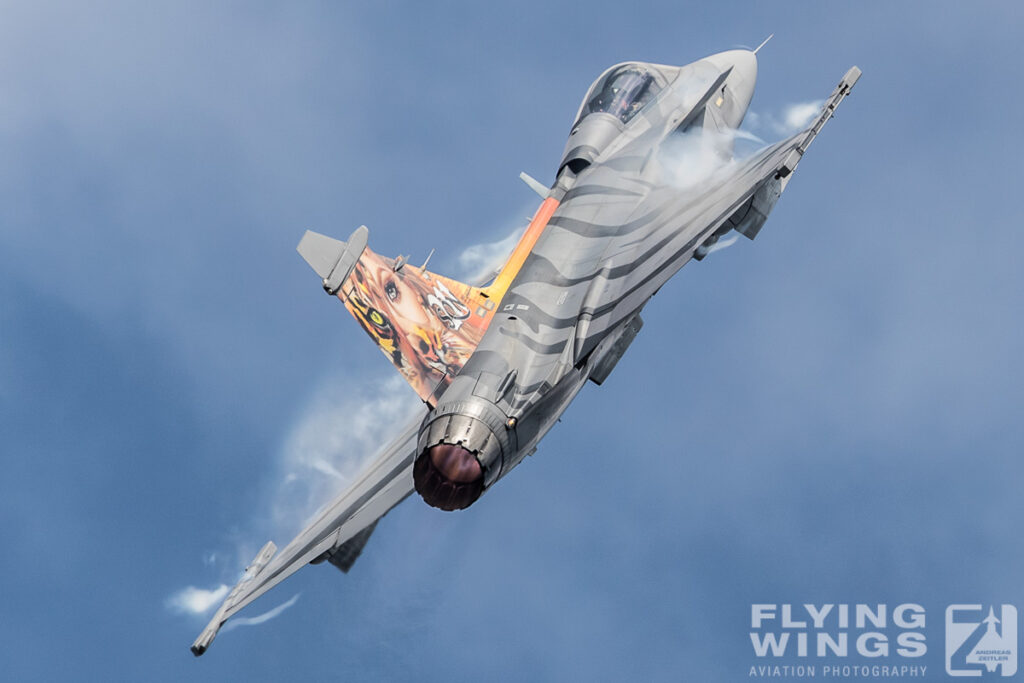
851, 77
264, 555
202, 643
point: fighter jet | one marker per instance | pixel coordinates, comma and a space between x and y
496, 365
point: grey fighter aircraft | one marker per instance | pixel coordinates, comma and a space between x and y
496, 365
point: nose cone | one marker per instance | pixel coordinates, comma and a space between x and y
742, 62
448, 477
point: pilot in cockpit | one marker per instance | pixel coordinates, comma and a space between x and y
624, 93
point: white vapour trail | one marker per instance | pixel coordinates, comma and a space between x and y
192, 600
261, 618
343, 426
691, 159
722, 244
797, 116
747, 136
481, 262
790, 119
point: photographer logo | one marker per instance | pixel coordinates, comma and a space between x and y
981, 640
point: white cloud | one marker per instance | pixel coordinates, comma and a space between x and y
789, 120
797, 116
690, 159
199, 601
342, 427
192, 600
481, 262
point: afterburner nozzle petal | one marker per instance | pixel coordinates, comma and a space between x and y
448, 477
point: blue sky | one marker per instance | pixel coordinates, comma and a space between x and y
828, 414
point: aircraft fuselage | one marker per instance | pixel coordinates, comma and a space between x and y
610, 232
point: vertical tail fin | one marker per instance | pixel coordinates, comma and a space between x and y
427, 325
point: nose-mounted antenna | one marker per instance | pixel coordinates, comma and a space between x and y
763, 43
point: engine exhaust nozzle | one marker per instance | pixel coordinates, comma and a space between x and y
448, 477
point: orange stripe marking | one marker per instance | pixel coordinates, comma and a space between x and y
496, 292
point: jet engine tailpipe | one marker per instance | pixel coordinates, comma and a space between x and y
461, 449
448, 477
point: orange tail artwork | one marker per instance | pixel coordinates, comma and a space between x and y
426, 324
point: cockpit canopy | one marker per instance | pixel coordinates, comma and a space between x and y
622, 92
613, 100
